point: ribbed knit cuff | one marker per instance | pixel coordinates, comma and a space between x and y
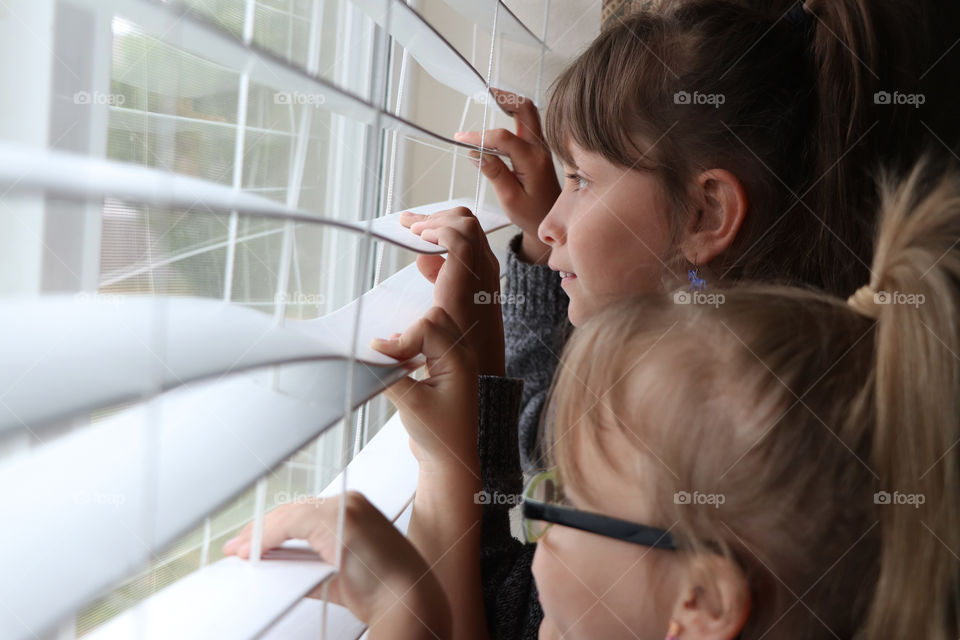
498, 444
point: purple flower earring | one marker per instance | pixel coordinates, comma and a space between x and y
674, 631
696, 282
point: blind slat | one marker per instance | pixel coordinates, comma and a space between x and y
429, 48
119, 514
249, 598
174, 24
480, 12
200, 338
60, 173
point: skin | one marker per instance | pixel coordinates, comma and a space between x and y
426, 584
381, 578
592, 586
608, 227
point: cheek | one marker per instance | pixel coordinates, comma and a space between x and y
562, 581
592, 588
619, 249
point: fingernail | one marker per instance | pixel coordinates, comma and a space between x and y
458, 135
475, 162
384, 342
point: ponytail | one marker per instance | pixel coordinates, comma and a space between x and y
867, 57
916, 274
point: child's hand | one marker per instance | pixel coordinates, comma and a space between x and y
382, 579
528, 191
439, 412
466, 282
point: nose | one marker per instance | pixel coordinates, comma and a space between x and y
551, 230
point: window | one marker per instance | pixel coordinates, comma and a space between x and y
191, 274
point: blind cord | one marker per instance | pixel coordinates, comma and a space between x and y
393, 162
370, 210
486, 102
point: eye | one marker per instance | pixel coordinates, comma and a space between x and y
580, 181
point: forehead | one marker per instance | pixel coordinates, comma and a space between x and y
617, 476
580, 156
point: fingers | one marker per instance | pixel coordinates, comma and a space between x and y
437, 337
506, 185
430, 266
525, 115
286, 522
407, 218
433, 335
417, 222
499, 139
458, 231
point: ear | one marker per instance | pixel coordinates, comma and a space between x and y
714, 600
721, 209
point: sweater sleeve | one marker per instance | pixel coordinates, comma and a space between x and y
535, 328
509, 593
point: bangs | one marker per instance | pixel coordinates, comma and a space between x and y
606, 101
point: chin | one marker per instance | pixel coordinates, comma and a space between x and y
578, 312
547, 631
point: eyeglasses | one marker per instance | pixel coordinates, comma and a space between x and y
541, 509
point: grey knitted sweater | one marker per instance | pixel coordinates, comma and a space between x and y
535, 328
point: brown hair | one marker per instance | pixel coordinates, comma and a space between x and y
831, 436
799, 124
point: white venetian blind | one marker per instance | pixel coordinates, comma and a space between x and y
200, 240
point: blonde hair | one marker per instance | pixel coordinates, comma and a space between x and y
830, 435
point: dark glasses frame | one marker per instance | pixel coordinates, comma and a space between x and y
588, 521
